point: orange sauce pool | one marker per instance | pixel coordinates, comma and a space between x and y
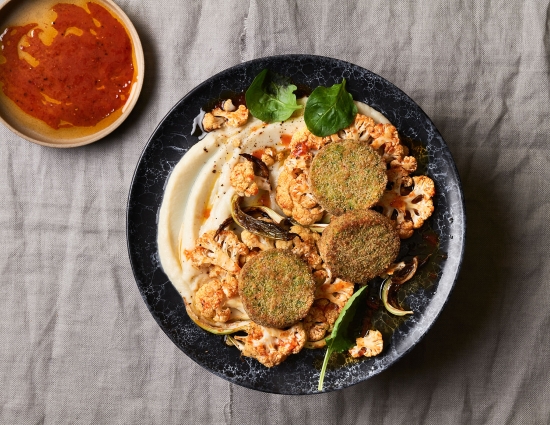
258, 153
66, 68
285, 139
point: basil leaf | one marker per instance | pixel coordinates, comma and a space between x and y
329, 110
339, 339
271, 97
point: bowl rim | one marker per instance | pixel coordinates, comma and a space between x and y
127, 107
460, 240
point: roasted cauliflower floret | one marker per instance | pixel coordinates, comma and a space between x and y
337, 292
304, 140
384, 135
223, 251
218, 299
360, 129
236, 118
330, 299
397, 156
228, 106
242, 179
409, 210
293, 193
228, 113
211, 123
269, 156
211, 298
369, 346
271, 346
280, 244
254, 241
386, 140
305, 246
320, 319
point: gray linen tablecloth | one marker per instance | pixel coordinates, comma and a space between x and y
77, 343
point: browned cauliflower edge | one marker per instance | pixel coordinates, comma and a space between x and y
227, 114
369, 346
409, 210
268, 345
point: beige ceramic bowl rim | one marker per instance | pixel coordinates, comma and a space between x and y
140, 68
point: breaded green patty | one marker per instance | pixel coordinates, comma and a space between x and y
347, 176
277, 288
359, 245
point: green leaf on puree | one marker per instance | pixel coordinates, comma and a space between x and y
339, 340
329, 109
271, 97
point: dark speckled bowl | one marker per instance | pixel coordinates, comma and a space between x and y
171, 140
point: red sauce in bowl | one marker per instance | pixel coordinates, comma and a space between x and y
80, 76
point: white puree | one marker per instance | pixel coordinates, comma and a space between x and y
194, 188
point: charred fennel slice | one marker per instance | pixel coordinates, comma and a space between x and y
384, 295
216, 328
278, 228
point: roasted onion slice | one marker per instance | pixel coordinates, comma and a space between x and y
393, 310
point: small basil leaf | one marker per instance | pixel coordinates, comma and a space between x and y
271, 97
339, 340
329, 110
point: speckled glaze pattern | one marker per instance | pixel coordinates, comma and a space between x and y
299, 374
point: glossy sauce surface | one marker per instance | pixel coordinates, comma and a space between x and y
73, 71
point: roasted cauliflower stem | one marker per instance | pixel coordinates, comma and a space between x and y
408, 208
227, 114
293, 193
270, 346
369, 346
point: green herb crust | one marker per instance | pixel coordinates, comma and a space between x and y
277, 288
347, 176
359, 245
